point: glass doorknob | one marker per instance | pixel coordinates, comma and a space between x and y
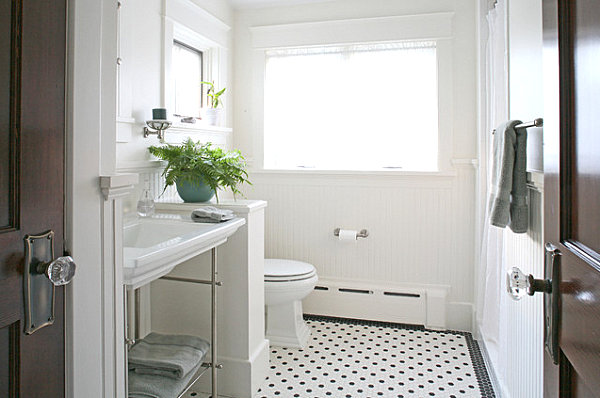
518, 284
60, 271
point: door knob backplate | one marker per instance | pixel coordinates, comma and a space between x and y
41, 274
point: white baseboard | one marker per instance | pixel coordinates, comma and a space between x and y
260, 366
460, 316
237, 375
499, 387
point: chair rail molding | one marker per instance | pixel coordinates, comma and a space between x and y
118, 185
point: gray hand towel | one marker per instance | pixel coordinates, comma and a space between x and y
211, 214
171, 356
505, 140
519, 211
152, 386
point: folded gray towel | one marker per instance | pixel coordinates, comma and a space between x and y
505, 139
178, 339
519, 211
203, 220
152, 386
172, 356
211, 214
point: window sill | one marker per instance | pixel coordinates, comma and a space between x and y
375, 179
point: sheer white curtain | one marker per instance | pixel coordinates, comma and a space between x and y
491, 261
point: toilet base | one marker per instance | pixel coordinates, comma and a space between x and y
286, 326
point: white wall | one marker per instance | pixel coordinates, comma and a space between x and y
142, 74
142, 78
422, 226
424, 235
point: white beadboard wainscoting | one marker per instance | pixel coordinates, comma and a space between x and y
421, 230
518, 357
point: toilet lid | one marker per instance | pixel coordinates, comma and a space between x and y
278, 269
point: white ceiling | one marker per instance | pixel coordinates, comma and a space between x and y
270, 3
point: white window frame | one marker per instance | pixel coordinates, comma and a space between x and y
186, 22
427, 27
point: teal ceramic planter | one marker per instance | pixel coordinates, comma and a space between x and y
193, 193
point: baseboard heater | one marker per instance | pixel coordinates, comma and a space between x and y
411, 304
363, 291
360, 291
415, 295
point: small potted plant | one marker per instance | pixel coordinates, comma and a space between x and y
212, 113
200, 170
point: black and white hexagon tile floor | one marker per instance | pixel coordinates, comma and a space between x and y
353, 358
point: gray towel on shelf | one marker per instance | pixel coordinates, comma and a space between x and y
519, 211
172, 356
152, 386
509, 178
211, 214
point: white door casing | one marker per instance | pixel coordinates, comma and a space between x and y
92, 349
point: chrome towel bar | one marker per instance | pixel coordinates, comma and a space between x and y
539, 122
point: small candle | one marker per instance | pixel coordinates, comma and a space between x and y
159, 114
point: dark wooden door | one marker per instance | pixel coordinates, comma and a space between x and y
32, 136
572, 189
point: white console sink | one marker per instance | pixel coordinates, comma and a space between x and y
153, 246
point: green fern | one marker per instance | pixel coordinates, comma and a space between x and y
197, 163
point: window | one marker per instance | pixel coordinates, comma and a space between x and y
188, 73
352, 107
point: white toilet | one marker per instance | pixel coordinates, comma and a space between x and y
287, 282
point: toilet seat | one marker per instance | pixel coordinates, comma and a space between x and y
278, 270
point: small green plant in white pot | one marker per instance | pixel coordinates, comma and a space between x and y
213, 112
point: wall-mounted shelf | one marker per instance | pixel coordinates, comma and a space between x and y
199, 128
141, 166
217, 135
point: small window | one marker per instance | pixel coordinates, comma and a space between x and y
188, 73
353, 107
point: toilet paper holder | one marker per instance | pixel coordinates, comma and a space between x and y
363, 233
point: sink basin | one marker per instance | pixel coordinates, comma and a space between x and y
153, 246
